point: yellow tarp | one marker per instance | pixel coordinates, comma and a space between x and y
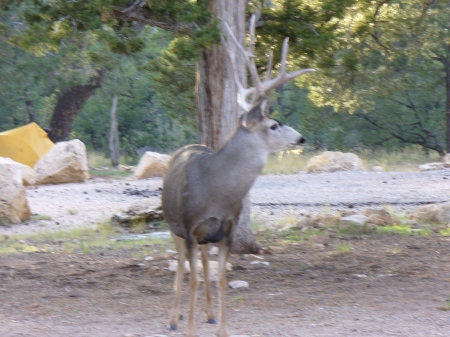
25, 144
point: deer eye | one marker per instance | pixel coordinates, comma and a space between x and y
274, 127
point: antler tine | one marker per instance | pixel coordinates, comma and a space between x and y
243, 92
258, 92
269, 83
283, 76
269, 66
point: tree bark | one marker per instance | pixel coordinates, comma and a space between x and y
218, 110
114, 134
446, 64
68, 107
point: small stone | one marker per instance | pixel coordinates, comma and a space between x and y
265, 263
360, 275
238, 284
149, 258
355, 220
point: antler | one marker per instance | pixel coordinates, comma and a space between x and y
269, 83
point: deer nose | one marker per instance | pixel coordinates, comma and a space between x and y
301, 140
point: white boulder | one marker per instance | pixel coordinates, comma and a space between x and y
13, 196
331, 161
152, 164
354, 220
29, 176
432, 166
66, 162
446, 160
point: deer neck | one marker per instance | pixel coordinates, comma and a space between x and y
240, 161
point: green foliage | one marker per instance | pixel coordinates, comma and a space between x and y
80, 240
380, 82
389, 71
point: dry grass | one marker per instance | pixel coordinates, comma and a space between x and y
408, 160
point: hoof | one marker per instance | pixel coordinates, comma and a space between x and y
212, 321
173, 327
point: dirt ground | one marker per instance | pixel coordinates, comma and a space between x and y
369, 286
385, 286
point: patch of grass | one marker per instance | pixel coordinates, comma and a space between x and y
344, 248
291, 220
4, 221
286, 162
294, 235
402, 161
138, 226
256, 226
238, 298
109, 172
395, 229
445, 232
289, 162
303, 267
72, 211
39, 217
100, 166
99, 159
268, 236
80, 240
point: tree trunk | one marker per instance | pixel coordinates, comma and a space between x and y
446, 64
218, 110
114, 134
68, 107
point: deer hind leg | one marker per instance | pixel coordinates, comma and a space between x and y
178, 282
224, 248
191, 247
210, 315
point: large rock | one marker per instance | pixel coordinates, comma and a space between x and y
446, 160
354, 220
357, 223
13, 198
379, 217
66, 162
29, 176
435, 213
330, 161
432, 167
152, 164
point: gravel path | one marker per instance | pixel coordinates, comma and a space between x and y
274, 197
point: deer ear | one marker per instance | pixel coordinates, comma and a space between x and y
253, 118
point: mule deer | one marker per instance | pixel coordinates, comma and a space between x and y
203, 190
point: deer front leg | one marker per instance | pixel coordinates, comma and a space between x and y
178, 282
191, 247
210, 315
222, 285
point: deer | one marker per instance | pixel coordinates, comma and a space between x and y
203, 190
